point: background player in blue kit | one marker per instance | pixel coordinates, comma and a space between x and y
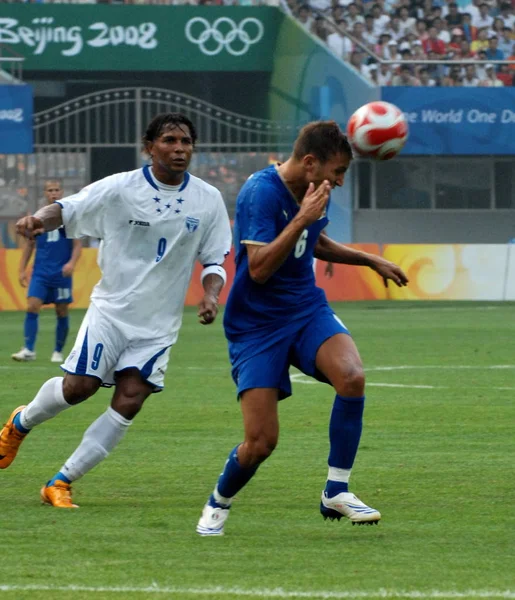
276, 317
51, 281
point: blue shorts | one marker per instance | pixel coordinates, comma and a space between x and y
51, 290
266, 363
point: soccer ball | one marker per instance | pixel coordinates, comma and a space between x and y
377, 130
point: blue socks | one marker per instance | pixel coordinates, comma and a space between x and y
344, 435
61, 332
30, 330
59, 476
18, 425
233, 477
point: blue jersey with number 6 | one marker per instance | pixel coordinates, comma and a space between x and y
264, 208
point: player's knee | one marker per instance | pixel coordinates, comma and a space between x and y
76, 389
33, 307
61, 310
261, 448
129, 403
350, 381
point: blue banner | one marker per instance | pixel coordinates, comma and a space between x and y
16, 119
445, 121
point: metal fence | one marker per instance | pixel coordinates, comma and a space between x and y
99, 133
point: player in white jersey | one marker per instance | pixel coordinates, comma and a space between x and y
154, 224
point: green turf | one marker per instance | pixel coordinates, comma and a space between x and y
437, 462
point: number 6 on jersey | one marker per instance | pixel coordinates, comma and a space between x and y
300, 246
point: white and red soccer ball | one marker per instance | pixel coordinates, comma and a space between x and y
377, 130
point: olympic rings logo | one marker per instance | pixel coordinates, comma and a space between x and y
225, 40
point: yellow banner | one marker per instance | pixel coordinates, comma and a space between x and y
436, 272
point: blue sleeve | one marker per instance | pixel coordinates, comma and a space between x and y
257, 209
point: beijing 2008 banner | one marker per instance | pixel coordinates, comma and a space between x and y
141, 38
446, 121
15, 119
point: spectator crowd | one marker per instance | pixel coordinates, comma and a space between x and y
417, 30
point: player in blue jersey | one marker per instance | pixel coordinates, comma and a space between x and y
276, 317
51, 281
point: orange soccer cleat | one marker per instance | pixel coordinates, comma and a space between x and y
10, 440
59, 494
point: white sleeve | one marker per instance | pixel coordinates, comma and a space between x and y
84, 213
216, 243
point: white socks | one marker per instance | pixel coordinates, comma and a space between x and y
48, 403
341, 475
98, 441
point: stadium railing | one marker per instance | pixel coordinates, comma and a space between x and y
11, 65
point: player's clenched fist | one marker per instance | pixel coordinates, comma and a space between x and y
314, 202
30, 227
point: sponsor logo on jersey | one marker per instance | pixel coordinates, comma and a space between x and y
192, 224
139, 223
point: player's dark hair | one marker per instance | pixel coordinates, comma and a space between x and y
160, 122
322, 139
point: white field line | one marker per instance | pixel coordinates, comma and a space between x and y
268, 593
438, 367
306, 380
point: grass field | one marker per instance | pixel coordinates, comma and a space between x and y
437, 459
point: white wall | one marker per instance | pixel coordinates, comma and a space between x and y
433, 227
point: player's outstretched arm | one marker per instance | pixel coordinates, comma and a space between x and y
331, 251
47, 218
265, 260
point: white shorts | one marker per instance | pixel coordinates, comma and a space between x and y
101, 351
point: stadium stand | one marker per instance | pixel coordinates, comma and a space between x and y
413, 30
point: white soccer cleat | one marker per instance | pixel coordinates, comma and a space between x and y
24, 355
57, 357
350, 506
212, 520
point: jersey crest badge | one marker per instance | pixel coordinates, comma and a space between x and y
192, 224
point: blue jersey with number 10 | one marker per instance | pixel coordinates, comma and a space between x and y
53, 251
264, 208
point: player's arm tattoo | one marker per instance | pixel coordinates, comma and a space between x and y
50, 216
